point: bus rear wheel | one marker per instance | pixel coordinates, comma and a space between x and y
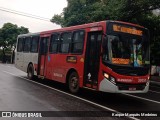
73, 83
30, 72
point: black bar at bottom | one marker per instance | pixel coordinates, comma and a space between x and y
78, 114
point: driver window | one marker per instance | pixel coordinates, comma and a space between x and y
119, 48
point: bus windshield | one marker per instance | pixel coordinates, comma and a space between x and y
127, 49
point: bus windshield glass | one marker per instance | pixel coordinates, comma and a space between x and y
127, 46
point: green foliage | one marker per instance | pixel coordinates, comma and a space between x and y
79, 12
8, 36
9, 33
86, 11
58, 19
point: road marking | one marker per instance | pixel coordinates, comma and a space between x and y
154, 91
101, 106
141, 98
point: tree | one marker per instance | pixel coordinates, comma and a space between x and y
8, 37
79, 12
85, 11
136, 11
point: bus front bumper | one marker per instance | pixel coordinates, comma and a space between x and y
107, 86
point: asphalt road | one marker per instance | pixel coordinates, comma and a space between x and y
17, 93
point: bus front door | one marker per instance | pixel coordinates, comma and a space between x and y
92, 59
43, 51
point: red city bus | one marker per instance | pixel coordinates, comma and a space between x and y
109, 56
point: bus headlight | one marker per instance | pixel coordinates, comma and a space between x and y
106, 75
110, 78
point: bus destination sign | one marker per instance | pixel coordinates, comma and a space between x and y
128, 30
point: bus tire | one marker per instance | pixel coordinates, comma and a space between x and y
30, 72
73, 83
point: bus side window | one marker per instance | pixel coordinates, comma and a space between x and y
65, 41
27, 44
54, 43
20, 45
34, 44
77, 43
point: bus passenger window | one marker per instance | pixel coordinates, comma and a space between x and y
77, 44
20, 45
65, 42
54, 43
34, 44
27, 44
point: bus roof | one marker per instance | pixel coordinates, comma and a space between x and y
29, 34
75, 27
94, 24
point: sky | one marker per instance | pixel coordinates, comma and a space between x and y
42, 8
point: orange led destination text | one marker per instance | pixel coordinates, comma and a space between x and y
120, 61
127, 30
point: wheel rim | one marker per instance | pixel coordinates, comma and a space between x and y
74, 82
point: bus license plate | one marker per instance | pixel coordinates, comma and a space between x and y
132, 88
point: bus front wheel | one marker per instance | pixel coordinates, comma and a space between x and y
73, 83
30, 72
